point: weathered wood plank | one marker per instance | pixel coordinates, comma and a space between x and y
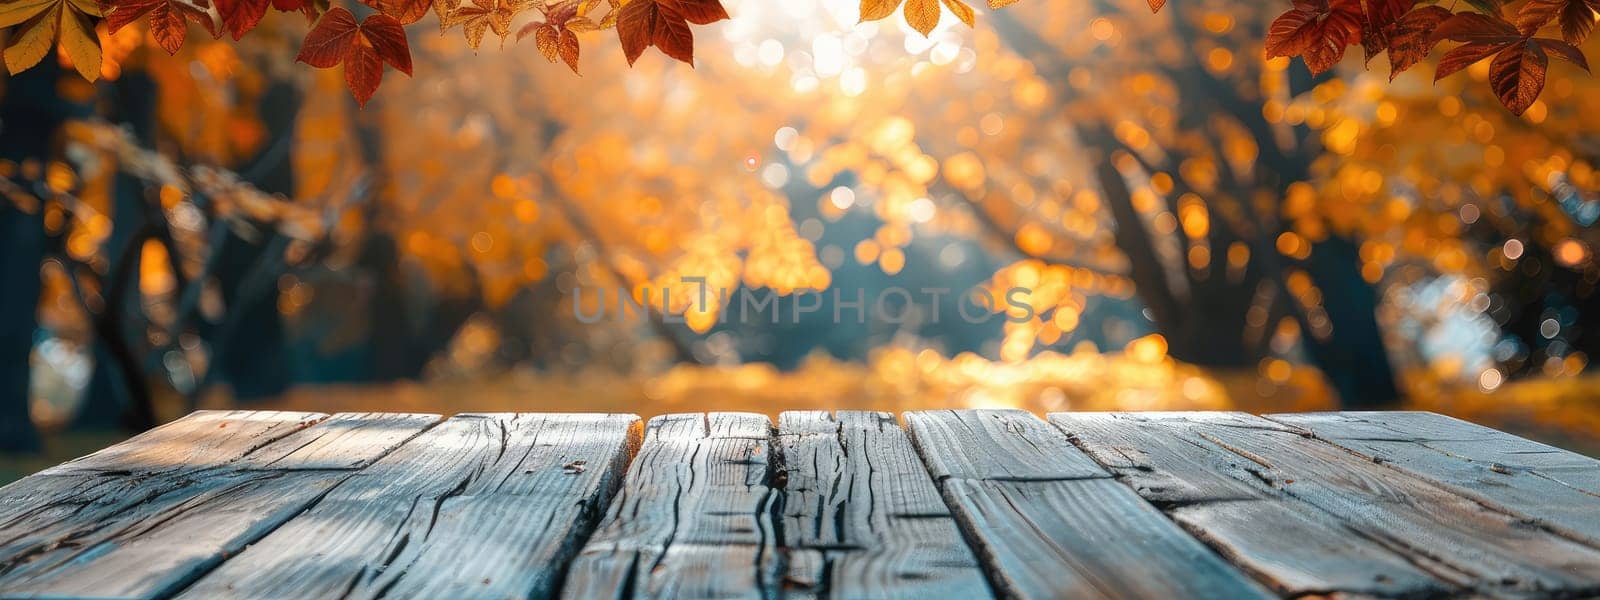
997, 444
342, 441
1048, 522
147, 530
201, 440
694, 517
1452, 537
862, 518
1297, 548
478, 506
1551, 486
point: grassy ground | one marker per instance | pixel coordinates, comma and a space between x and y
59, 447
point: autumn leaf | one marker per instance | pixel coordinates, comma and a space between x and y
240, 16
557, 36
923, 15
1577, 17
1465, 56
1318, 31
405, 11
310, 8
1381, 17
1406, 37
43, 24
1517, 73
169, 19
665, 25
480, 16
362, 48
1477, 28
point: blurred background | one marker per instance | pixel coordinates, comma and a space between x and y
1195, 228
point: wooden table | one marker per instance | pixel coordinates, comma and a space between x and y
958, 504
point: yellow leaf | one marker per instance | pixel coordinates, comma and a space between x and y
961, 10
82, 45
13, 13
548, 39
88, 7
922, 15
480, 16
581, 24
1001, 3
34, 41
872, 10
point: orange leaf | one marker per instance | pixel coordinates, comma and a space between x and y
1576, 17
1318, 31
1517, 75
1465, 56
405, 11
699, 12
1409, 40
167, 22
665, 25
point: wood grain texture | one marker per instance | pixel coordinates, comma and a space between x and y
479, 506
1293, 546
342, 441
694, 517
202, 440
147, 528
1454, 538
1047, 522
862, 518
1545, 484
997, 444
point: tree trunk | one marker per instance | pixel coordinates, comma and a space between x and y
23, 233
31, 113
1353, 357
117, 395
252, 358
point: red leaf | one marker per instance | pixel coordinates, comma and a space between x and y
665, 25
363, 49
306, 7
329, 42
1563, 50
1517, 75
1318, 31
1410, 40
1477, 28
405, 11
167, 19
699, 12
240, 16
671, 34
388, 37
635, 22
363, 71
1577, 17
1465, 56
1383, 16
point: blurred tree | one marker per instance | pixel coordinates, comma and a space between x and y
31, 116
1180, 117
1503, 204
